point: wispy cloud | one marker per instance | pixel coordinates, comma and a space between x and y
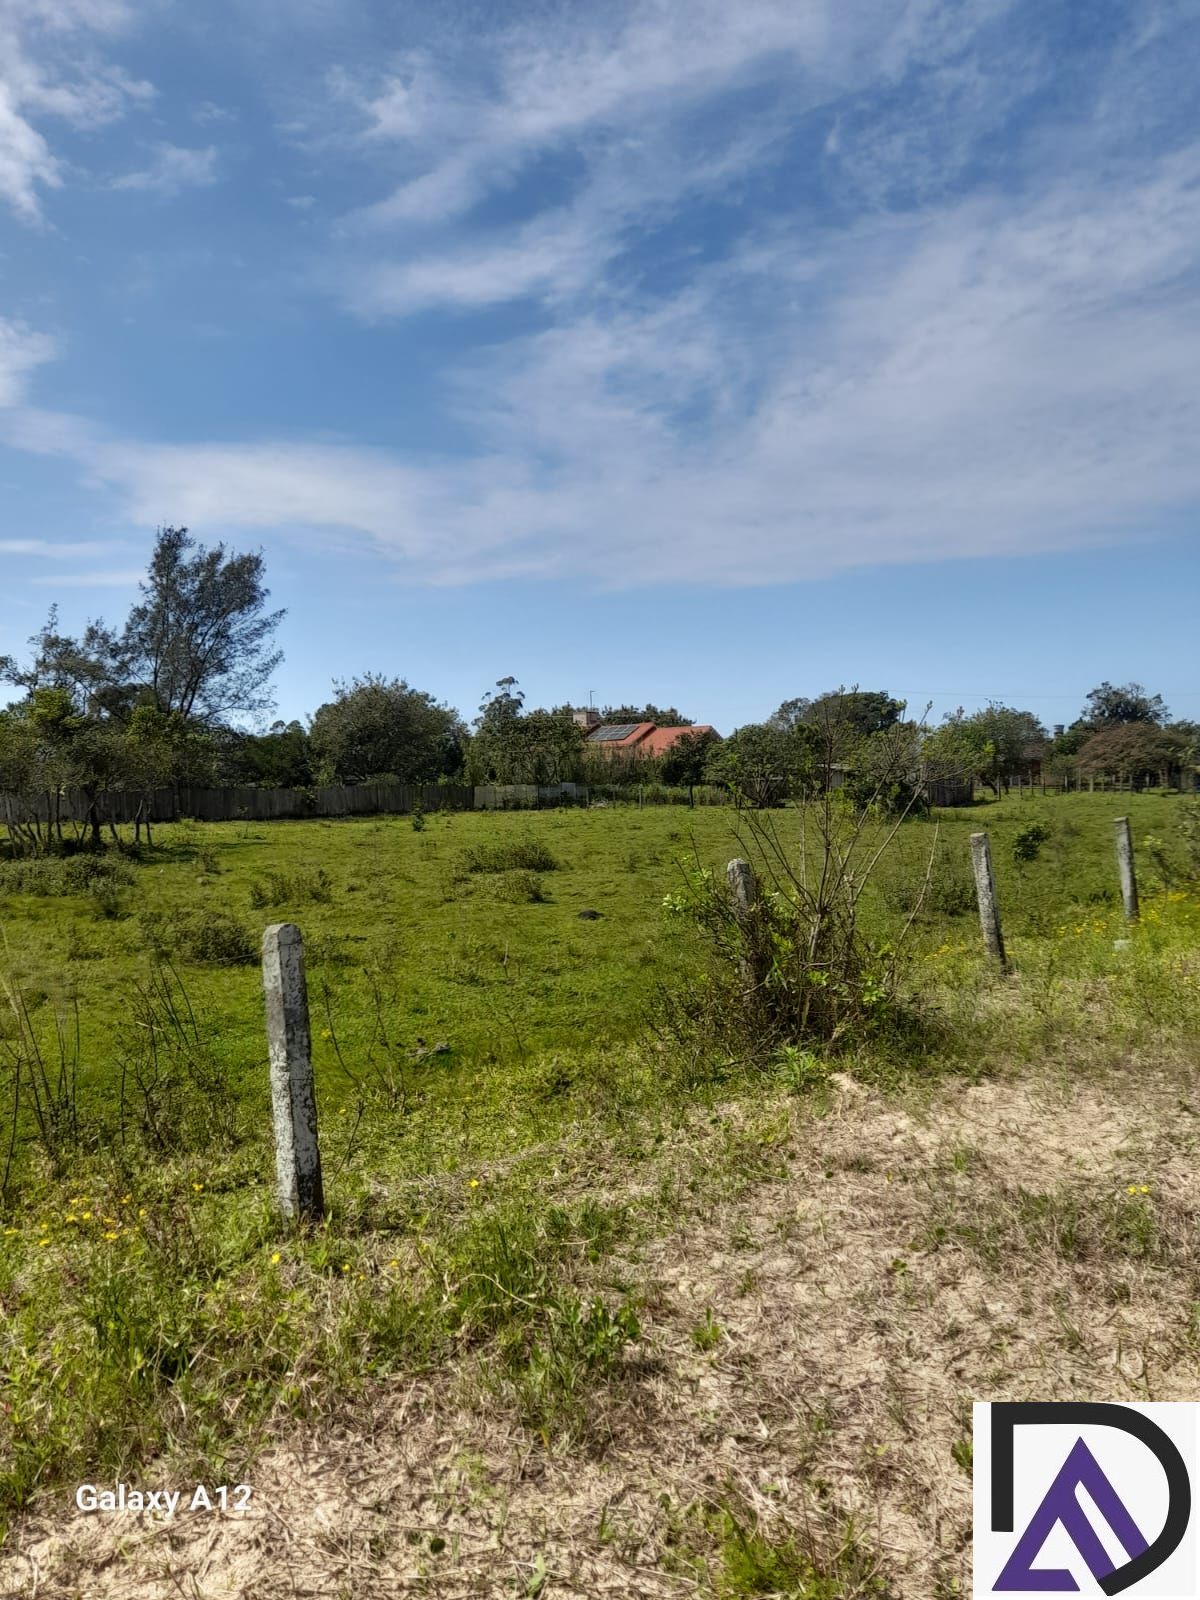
49, 69
974, 381
56, 550
885, 358
22, 350
172, 169
104, 578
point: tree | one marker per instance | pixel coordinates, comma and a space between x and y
684, 762
859, 712
762, 764
376, 727
511, 745
199, 640
994, 745
281, 758
1134, 749
669, 718
1129, 702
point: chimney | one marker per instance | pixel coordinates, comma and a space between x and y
588, 718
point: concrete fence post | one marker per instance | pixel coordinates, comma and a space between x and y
743, 890
985, 893
293, 1103
743, 894
1125, 867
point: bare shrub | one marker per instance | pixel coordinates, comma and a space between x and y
173, 1089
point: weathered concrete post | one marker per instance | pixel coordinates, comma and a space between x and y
1129, 894
743, 892
293, 1104
985, 893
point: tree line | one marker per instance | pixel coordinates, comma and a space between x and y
163, 700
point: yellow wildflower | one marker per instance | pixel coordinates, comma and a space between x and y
198, 1187
276, 1258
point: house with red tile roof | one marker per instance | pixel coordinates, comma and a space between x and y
642, 740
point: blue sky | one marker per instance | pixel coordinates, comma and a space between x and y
697, 352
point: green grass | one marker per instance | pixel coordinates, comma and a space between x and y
493, 1101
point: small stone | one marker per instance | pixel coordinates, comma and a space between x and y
589, 916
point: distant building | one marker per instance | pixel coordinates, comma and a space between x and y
640, 740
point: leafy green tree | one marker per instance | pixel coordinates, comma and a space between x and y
1127, 702
1137, 749
761, 764
512, 745
376, 727
685, 761
857, 712
199, 640
281, 758
662, 718
995, 745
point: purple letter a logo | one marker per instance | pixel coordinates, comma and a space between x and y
1060, 1507
1080, 1469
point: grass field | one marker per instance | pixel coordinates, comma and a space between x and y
507, 1131
499, 965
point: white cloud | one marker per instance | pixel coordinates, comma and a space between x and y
553, 82
25, 160
974, 380
49, 69
103, 578
772, 396
21, 351
172, 169
50, 550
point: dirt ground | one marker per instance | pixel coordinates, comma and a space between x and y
910, 1256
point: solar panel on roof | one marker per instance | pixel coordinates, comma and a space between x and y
621, 732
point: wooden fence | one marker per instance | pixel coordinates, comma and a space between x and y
248, 804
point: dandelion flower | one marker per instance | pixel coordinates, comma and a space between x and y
474, 1183
1132, 1189
276, 1258
198, 1187
1144, 1188
87, 1216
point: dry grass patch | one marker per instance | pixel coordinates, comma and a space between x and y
791, 1416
